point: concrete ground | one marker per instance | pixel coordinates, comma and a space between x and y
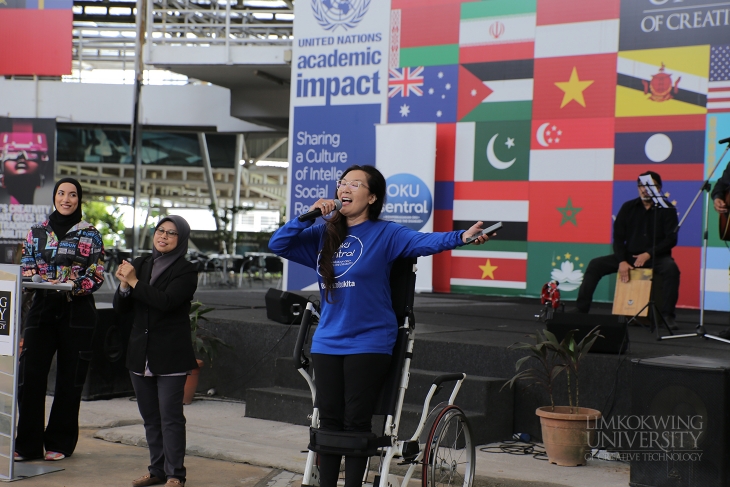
227, 449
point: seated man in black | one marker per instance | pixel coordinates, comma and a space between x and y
632, 247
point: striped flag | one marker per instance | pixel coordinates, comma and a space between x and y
577, 39
488, 272
718, 96
508, 91
497, 30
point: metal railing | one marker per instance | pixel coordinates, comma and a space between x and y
189, 23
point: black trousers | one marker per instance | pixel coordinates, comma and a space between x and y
347, 388
664, 268
53, 326
160, 402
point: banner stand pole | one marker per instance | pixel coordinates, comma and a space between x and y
11, 300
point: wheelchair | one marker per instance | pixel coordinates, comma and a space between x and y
441, 446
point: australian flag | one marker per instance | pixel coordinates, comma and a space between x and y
423, 94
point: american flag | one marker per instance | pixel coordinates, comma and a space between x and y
405, 81
718, 98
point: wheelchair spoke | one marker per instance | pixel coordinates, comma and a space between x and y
450, 460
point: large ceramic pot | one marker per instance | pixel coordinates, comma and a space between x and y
568, 433
191, 384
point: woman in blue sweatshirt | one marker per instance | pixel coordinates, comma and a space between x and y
353, 252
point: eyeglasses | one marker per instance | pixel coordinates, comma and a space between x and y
170, 233
354, 185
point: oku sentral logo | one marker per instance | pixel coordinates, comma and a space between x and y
408, 201
331, 14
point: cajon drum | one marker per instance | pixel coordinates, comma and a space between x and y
632, 296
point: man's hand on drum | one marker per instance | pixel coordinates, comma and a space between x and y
623, 271
476, 228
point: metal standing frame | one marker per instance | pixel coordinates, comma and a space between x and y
700, 329
442, 443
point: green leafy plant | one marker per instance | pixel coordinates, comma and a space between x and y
552, 358
205, 342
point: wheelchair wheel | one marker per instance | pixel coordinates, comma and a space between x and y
449, 451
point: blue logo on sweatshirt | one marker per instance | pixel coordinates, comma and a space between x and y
408, 201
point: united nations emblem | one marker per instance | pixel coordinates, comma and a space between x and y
331, 14
660, 86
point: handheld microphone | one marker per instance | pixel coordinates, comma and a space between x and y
36, 278
724, 141
317, 212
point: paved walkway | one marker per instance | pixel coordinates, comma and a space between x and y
226, 448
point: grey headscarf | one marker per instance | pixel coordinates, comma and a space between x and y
163, 261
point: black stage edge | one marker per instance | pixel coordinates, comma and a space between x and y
455, 333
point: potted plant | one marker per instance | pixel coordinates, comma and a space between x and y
566, 430
205, 343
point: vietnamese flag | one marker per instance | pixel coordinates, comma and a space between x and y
577, 133
575, 87
570, 212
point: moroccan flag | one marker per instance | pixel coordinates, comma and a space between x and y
488, 272
492, 151
668, 81
566, 263
718, 96
508, 89
575, 87
578, 133
576, 39
564, 11
497, 30
570, 212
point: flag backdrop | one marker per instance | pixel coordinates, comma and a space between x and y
546, 111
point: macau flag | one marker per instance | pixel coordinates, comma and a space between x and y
566, 263
668, 81
492, 151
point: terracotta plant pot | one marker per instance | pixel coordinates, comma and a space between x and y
191, 384
567, 433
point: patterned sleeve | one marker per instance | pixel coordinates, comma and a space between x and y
89, 279
28, 262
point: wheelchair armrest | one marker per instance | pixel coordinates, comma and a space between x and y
301, 361
448, 378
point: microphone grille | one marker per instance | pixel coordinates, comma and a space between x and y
338, 204
36, 278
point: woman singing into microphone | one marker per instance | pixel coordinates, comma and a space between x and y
62, 249
353, 252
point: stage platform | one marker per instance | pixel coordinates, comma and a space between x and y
455, 333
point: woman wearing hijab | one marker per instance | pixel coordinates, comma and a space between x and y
159, 289
63, 249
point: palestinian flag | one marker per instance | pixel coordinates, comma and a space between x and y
495, 91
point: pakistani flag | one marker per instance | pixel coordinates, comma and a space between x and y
493, 151
566, 263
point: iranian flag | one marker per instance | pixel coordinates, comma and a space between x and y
497, 30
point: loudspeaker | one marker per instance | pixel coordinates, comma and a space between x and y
279, 306
615, 337
689, 397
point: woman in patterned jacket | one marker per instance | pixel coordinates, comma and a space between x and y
62, 249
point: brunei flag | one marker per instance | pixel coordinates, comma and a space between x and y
491, 202
495, 91
492, 151
668, 81
497, 30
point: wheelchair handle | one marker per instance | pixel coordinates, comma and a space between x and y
447, 378
300, 360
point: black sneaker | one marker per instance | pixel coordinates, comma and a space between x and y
725, 334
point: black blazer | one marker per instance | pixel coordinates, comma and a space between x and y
161, 327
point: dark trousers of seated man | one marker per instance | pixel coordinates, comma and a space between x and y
347, 388
664, 268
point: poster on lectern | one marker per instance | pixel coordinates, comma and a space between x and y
9, 308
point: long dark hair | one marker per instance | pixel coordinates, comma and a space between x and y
336, 227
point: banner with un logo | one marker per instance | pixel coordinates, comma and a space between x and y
339, 94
